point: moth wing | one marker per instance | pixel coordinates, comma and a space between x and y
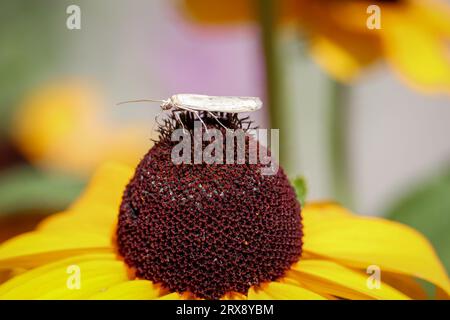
216, 103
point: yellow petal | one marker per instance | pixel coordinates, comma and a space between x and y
342, 50
326, 210
36, 248
405, 284
258, 294
65, 126
433, 13
50, 116
235, 11
341, 281
363, 241
101, 222
171, 296
351, 15
5, 275
344, 55
106, 188
130, 290
220, 11
283, 291
87, 227
234, 296
55, 281
418, 54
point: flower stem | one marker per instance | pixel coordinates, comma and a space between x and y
338, 116
267, 18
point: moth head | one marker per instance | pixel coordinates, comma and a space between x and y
166, 105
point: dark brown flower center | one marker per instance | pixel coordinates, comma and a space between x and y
207, 229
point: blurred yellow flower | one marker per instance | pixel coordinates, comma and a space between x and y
413, 38
338, 247
64, 126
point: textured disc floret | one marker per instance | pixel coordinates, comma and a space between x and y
207, 229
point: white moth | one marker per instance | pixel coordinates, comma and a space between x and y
197, 103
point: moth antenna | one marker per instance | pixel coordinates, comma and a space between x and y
140, 100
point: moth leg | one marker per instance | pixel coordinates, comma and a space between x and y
197, 114
157, 117
217, 119
200, 118
178, 118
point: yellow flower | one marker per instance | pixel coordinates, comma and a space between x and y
62, 126
338, 247
413, 38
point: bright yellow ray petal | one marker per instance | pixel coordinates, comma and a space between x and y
96, 282
363, 241
130, 290
102, 221
283, 291
405, 284
258, 294
106, 188
96, 273
330, 291
87, 227
5, 275
35, 248
340, 281
171, 296
234, 296
326, 209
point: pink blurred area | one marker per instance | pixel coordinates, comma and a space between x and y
215, 61
161, 53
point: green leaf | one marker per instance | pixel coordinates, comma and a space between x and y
301, 189
31, 34
427, 208
24, 188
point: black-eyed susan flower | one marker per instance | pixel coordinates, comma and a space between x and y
413, 36
212, 231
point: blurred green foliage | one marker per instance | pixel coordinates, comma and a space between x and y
301, 189
28, 40
24, 188
31, 43
427, 209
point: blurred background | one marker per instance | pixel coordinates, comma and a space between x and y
363, 113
